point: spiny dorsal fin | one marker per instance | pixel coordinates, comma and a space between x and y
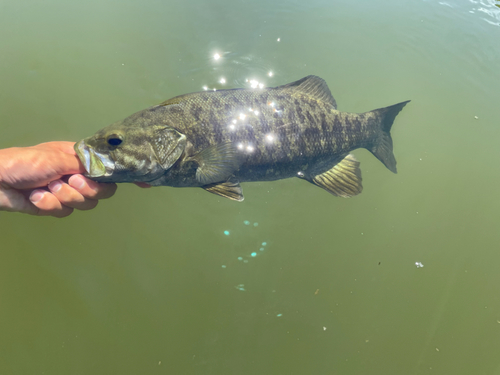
229, 189
343, 180
216, 163
314, 87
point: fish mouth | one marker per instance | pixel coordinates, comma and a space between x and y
96, 164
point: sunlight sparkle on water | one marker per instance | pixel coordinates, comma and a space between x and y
255, 84
216, 56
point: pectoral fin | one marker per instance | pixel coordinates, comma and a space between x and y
217, 163
229, 189
343, 180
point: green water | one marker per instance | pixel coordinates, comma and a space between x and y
137, 286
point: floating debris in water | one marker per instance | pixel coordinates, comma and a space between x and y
261, 249
278, 315
324, 328
240, 258
255, 224
226, 232
246, 222
245, 261
254, 254
419, 265
240, 287
264, 243
476, 117
223, 266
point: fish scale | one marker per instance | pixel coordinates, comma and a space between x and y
217, 139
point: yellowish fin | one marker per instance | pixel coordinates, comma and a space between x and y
343, 180
229, 189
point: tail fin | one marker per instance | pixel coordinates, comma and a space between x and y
382, 147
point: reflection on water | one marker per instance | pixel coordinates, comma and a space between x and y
489, 8
238, 68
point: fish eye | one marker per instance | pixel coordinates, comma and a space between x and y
114, 140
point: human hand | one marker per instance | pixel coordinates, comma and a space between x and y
24, 170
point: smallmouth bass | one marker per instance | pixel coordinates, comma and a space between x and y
217, 139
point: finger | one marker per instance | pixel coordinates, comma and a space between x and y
68, 196
15, 201
48, 204
66, 147
92, 189
66, 161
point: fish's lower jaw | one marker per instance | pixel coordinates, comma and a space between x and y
96, 164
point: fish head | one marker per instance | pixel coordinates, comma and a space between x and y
129, 153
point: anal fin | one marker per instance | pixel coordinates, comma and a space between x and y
229, 189
343, 180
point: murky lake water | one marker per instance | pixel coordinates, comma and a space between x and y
402, 279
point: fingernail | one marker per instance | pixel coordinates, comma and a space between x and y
36, 196
76, 181
55, 186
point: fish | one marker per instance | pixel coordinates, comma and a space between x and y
217, 140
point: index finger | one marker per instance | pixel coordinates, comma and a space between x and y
64, 146
68, 162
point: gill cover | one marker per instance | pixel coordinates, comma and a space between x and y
168, 146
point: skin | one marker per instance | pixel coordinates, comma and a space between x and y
46, 180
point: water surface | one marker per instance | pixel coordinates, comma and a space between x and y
137, 286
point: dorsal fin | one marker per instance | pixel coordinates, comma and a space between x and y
178, 99
314, 87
